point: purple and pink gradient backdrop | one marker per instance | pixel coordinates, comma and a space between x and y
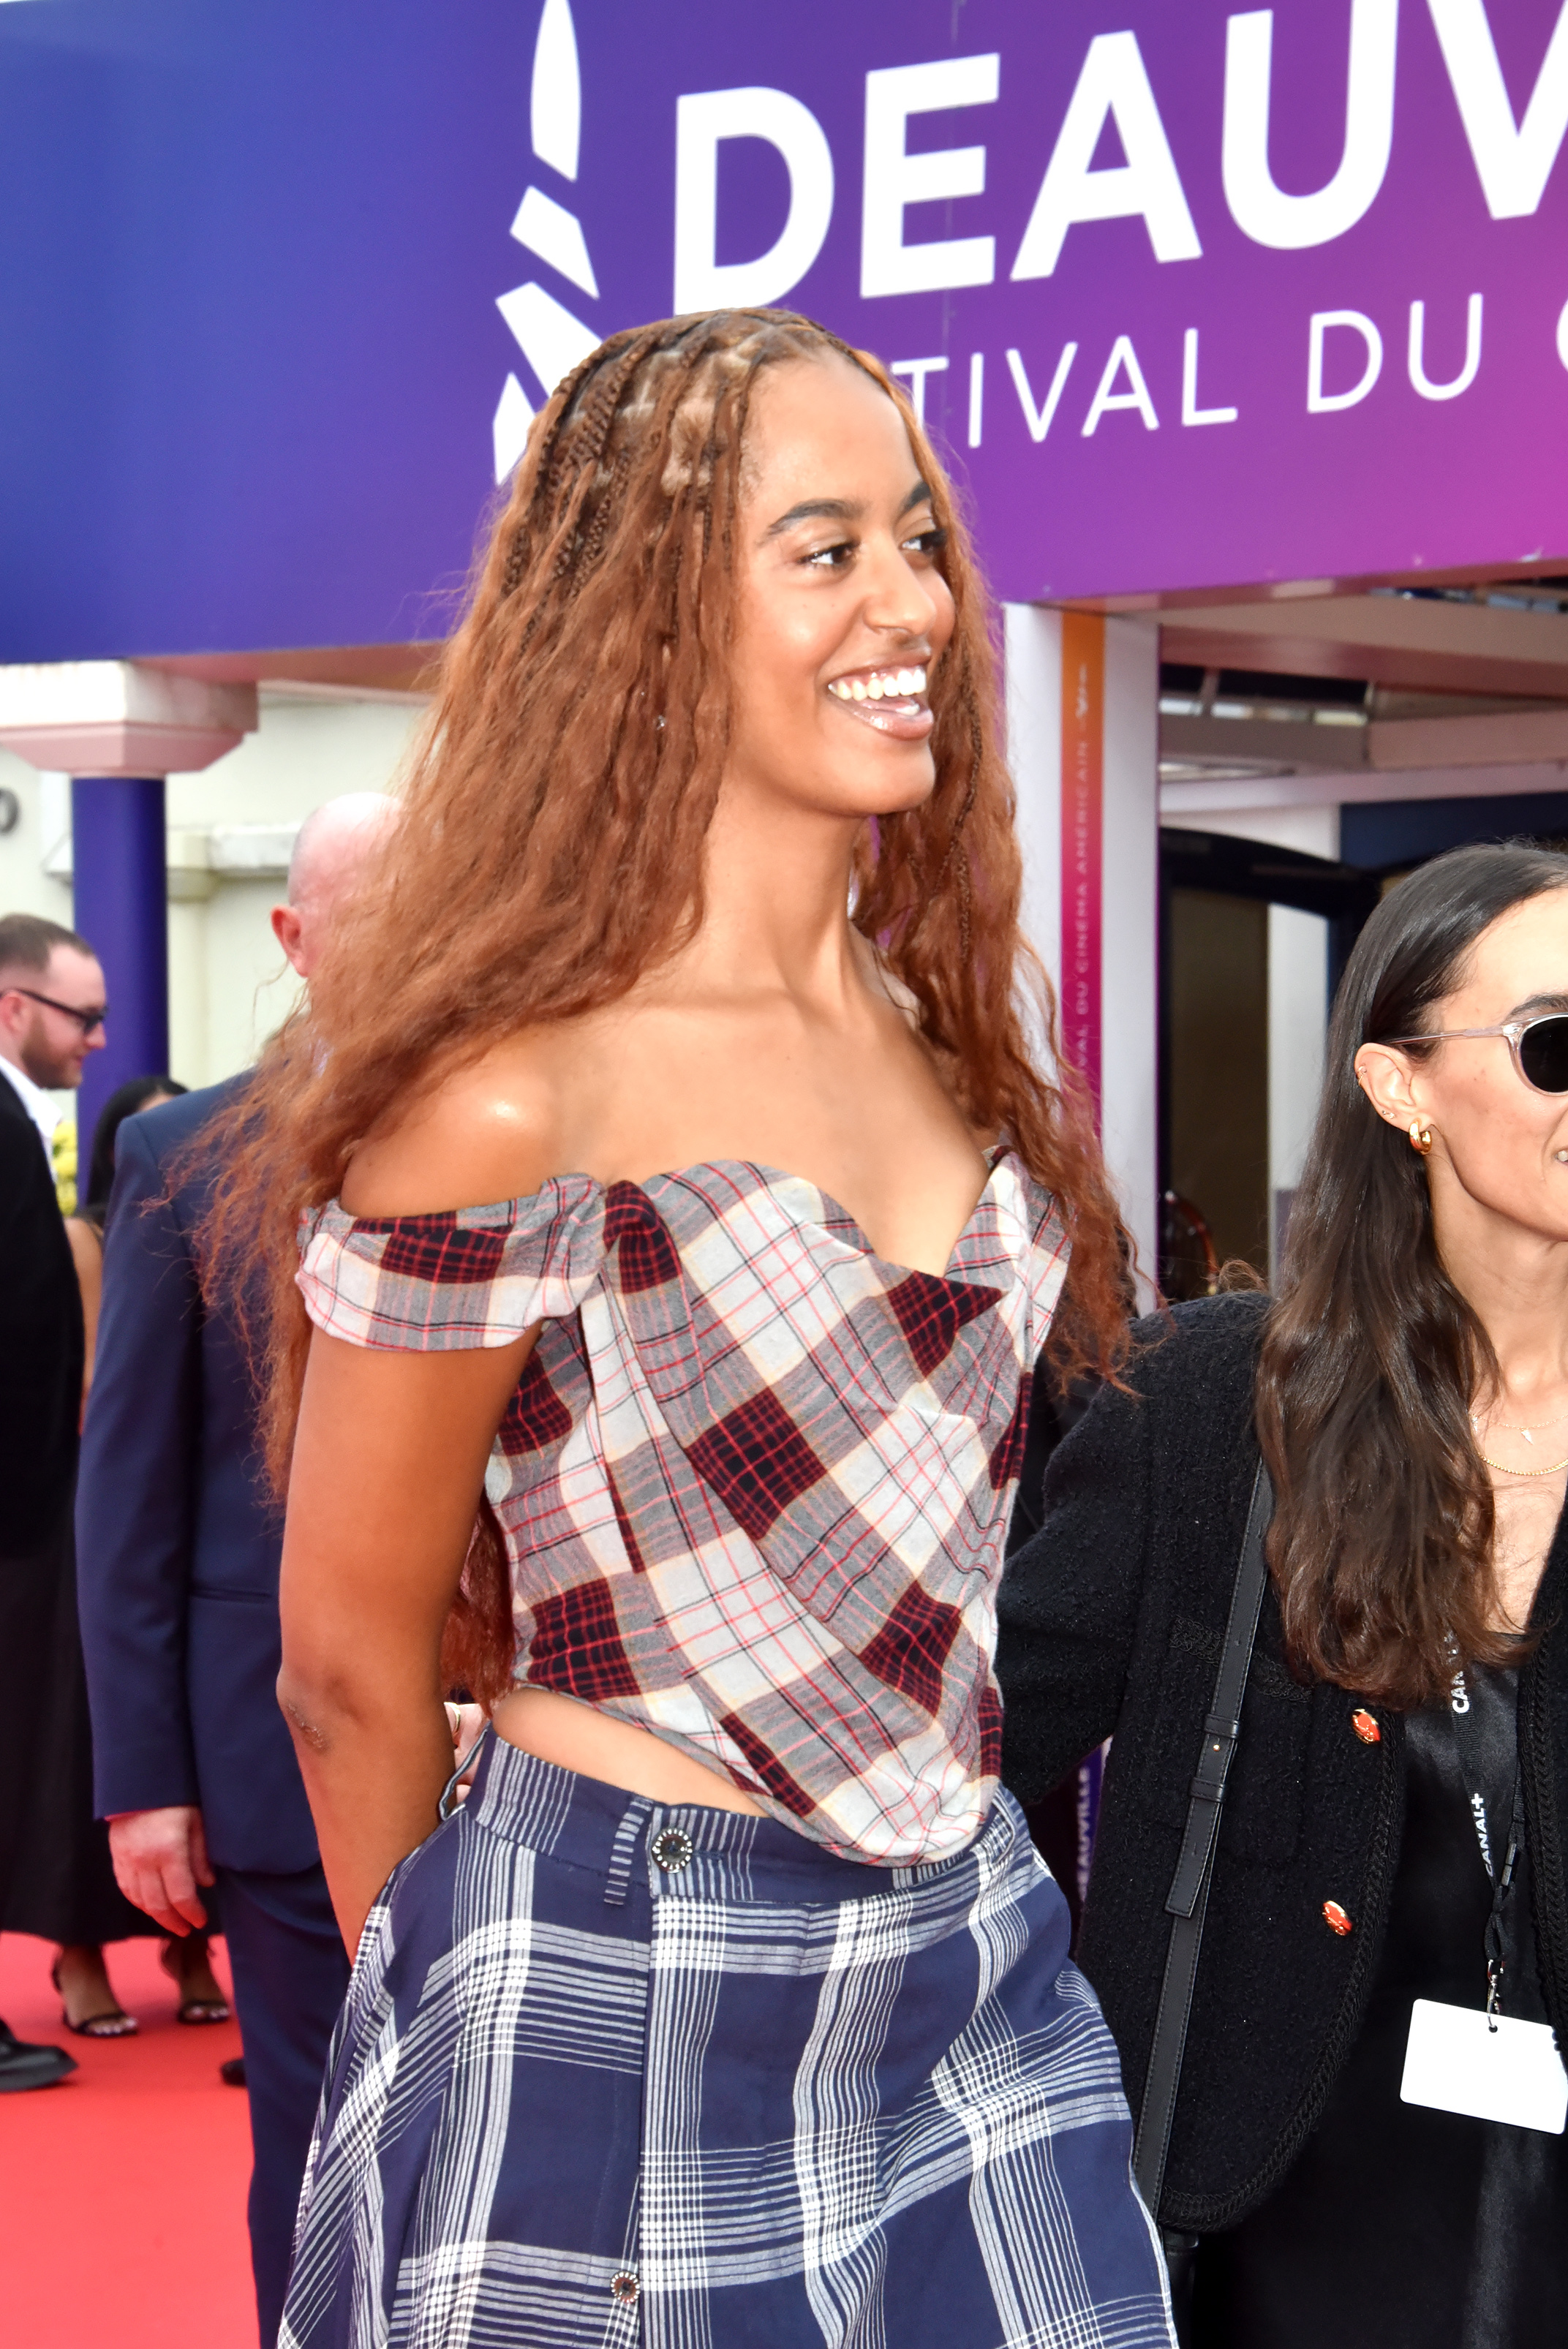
250, 255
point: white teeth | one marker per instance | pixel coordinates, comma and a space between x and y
881, 685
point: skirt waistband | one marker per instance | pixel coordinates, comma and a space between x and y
696, 1850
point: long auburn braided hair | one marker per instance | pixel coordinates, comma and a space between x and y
551, 845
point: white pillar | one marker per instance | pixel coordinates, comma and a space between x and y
119, 717
119, 730
1298, 1018
1083, 726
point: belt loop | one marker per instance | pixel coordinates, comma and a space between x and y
617, 1876
448, 1803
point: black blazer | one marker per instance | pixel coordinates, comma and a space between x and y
178, 1544
40, 1340
1111, 1623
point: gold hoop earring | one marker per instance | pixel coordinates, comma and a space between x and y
1420, 1137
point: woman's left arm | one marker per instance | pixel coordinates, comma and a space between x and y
389, 1466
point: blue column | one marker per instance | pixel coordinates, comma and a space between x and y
120, 888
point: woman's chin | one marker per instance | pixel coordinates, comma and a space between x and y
890, 783
892, 786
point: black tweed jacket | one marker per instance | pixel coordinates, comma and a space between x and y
40, 1348
1111, 1621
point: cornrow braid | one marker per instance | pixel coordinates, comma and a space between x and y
517, 562
551, 470
598, 533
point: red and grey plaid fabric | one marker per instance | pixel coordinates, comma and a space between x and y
753, 1480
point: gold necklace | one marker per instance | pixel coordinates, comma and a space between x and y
1556, 1468
1518, 1426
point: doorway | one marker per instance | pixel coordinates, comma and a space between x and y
1252, 940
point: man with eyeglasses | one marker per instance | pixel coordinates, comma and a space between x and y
51, 1012
51, 1018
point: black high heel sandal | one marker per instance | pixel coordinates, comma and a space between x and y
192, 2009
112, 2024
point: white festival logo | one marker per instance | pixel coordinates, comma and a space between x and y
1513, 159
552, 338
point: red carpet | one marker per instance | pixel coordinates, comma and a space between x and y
124, 2189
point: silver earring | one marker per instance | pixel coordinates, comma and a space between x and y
1560, 1156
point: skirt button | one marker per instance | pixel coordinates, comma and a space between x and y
672, 1848
624, 2288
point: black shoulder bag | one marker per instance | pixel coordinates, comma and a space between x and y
1187, 1904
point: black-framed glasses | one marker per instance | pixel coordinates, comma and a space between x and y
85, 1020
1540, 1046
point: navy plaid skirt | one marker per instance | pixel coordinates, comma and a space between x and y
613, 2071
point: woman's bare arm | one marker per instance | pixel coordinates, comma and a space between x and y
389, 1463
86, 1254
384, 1487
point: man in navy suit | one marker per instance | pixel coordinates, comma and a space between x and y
178, 1554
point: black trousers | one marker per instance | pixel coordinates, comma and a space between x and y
290, 1972
56, 1876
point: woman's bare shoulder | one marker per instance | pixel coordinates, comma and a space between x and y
480, 1130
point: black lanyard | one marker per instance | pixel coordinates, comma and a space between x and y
1473, 1745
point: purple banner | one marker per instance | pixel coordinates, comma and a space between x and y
1196, 298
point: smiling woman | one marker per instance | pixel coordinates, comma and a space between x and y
1454, 1304
699, 1235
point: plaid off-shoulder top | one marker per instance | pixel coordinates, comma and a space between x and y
753, 1480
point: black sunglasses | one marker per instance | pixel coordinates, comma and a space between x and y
1540, 1048
85, 1020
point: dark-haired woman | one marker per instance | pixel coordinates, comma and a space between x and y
709, 1230
1404, 1729
65, 1889
84, 1229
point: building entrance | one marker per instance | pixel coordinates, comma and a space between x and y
1288, 801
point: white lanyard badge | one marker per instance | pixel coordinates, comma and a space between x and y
1478, 2060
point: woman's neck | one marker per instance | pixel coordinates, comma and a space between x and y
776, 885
1515, 1281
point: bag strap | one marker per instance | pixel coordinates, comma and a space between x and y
1187, 1903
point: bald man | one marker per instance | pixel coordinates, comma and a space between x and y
330, 852
178, 1564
